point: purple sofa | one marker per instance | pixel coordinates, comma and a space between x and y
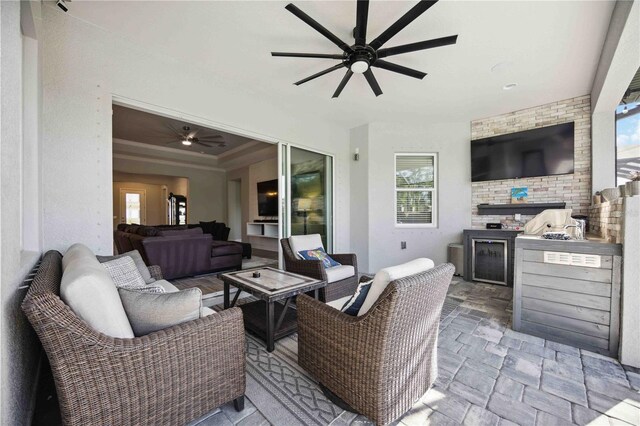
179, 252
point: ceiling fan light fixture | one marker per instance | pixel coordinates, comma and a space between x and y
186, 142
359, 66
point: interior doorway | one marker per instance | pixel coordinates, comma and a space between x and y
133, 206
234, 209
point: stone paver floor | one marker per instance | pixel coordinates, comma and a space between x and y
492, 375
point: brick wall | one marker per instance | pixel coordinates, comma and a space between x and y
574, 189
605, 220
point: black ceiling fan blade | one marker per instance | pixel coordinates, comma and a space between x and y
399, 69
362, 14
343, 83
307, 55
316, 26
203, 144
421, 45
320, 74
373, 82
405, 20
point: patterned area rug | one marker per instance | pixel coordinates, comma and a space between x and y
281, 389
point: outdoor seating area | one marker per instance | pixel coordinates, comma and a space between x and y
320, 213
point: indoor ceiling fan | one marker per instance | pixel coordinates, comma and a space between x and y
187, 137
360, 57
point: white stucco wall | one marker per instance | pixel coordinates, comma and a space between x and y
451, 142
630, 316
84, 67
360, 197
20, 348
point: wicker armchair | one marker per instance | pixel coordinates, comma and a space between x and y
380, 363
315, 269
172, 376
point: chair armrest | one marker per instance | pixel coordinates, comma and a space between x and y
155, 271
346, 259
201, 362
309, 268
340, 351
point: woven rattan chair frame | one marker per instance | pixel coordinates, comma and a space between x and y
315, 269
382, 362
169, 377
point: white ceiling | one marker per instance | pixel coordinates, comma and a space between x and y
549, 48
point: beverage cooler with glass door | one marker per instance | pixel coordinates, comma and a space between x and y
177, 209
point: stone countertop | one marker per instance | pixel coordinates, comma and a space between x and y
593, 244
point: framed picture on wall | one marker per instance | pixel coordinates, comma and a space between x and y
519, 195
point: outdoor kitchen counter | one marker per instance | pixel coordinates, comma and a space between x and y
568, 291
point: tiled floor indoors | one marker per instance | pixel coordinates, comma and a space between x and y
491, 375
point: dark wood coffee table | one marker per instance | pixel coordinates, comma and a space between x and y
265, 317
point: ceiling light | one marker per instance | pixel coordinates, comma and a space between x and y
359, 67
625, 110
509, 86
186, 142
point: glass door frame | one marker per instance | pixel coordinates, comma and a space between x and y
284, 189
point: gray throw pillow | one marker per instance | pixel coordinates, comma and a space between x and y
137, 259
124, 274
149, 312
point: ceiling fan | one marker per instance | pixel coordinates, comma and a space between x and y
187, 137
360, 57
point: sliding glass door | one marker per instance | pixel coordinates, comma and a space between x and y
307, 187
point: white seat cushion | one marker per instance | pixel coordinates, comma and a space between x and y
338, 273
205, 312
304, 242
76, 251
339, 303
386, 275
88, 290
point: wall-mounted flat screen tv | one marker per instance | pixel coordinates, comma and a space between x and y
538, 152
268, 198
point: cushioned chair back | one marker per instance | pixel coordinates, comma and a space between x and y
300, 243
408, 312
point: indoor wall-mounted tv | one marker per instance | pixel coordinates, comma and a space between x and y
268, 198
539, 152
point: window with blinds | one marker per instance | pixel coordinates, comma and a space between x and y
416, 188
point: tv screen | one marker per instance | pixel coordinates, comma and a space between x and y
268, 198
539, 152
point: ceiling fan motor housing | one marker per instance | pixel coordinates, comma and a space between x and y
360, 54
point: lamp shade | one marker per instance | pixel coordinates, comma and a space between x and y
304, 203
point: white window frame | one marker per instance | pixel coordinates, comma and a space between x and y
434, 190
